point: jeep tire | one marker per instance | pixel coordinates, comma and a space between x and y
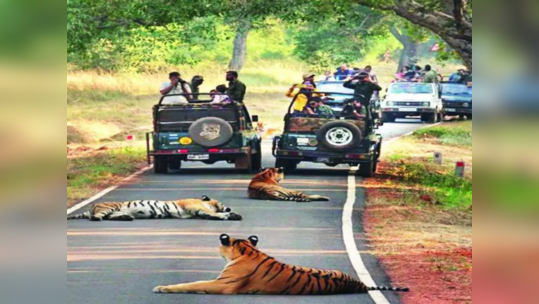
160, 165
256, 159
287, 165
339, 136
367, 170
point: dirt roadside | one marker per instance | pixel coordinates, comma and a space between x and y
419, 218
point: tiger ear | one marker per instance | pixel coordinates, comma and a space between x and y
254, 240
262, 169
280, 170
225, 240
206, 198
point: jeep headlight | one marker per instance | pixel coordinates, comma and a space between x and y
466, 105
390, 103
426, 104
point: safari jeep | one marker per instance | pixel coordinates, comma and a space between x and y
203, 132
330, 141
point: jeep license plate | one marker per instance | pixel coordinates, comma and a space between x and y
451, 110
198, 157
407, 110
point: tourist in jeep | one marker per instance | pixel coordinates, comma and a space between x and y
175, 86
196, 82
363, 88
236, 88
343, 72
303, 93
317, 107
219, 95
353, 109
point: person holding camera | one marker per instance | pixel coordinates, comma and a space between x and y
363, 88
175, 86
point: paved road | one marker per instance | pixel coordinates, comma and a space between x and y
114, 262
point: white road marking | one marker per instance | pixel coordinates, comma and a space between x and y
105, 192
348, 231
350, 242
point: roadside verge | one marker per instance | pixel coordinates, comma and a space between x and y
419, 218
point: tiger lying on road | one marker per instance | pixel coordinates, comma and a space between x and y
265, 186
206, 208
250, 271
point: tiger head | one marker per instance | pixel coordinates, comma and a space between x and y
271, 174
215, 205
232, 249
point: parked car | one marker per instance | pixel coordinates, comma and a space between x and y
331, 141
407, 99
457, 99
203, 132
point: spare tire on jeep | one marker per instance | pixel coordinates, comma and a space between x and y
211, 132
339, 136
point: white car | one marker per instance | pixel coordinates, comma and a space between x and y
405, 99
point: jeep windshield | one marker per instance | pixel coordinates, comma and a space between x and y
338, 92
411, 88
456, 89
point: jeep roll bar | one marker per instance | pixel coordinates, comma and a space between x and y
193, 101
318, 93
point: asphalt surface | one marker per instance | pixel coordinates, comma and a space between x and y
121, 262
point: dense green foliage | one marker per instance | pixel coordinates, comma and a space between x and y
148, 36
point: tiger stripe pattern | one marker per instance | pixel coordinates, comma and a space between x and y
205, 208
265, 186
250, 271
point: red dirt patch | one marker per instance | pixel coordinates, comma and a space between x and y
435, 270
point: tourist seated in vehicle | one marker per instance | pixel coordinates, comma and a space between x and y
462, 76
318, 108
219, 95
353, 109
175, 86
303, 93
343, 73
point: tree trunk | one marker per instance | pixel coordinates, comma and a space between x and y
453, 24
410, 47
240, 45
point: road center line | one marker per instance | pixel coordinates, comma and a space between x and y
350, 243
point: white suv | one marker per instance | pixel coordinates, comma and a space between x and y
405, 99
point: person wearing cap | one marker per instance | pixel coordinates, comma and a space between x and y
309, 77
317, 107
303, 93
175, 86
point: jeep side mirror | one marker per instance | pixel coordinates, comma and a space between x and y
255, 118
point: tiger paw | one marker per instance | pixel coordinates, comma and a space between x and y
96, 219
234, 217
160, 289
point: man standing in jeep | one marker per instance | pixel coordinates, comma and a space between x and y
236, 88
176, 85
363, 88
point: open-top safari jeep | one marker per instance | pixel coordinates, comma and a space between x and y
331, 141
203, 132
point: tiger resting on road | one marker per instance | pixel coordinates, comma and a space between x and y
250, 271
206, 208
265, 186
